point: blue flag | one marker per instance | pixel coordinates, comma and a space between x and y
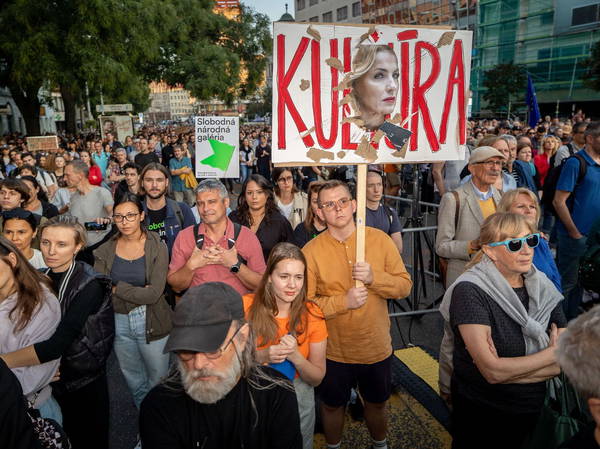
532, 104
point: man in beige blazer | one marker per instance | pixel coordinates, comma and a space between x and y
457, 237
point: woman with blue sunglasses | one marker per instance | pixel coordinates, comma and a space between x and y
502, 321
523, 201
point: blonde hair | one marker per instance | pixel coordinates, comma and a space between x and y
498, 227
555, 146
69, 222
363, 62
509, 198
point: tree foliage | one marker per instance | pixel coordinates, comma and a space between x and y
503, 82
213, 56
116, 47
591, 78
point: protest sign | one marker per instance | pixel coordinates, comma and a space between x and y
42, 143
217, 147
351, 94
120, 126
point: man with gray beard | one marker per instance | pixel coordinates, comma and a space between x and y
216, 395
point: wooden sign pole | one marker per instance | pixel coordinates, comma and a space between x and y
361, 204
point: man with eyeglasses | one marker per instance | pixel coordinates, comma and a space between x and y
463, 210
216, 395
359, 347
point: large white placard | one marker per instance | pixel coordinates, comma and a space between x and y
335, 85
217, 147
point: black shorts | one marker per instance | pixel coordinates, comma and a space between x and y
374, 382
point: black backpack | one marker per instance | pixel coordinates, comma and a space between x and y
589, 270
551, 181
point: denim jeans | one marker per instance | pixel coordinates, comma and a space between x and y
569, 251
244, 172
51, 409
143, 364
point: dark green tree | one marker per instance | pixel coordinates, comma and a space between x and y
591, 77
503, 83
116, 47
212, 55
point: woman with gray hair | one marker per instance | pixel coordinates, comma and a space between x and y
503, 319
578, 354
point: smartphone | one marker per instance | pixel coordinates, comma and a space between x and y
93, 226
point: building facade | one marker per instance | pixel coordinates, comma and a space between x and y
550, 38
12, 121
169, 103
328, 11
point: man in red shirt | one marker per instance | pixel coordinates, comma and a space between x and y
215, 254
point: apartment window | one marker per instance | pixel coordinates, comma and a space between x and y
314, 19
585, 15
355, 9
313, 2
342, 13
300, 4
328, 16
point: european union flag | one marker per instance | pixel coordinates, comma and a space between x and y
532, 104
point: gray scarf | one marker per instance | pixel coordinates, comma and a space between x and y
543, 298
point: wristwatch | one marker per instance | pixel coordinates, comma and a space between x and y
236, 267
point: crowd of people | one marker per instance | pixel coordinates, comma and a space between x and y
230, 305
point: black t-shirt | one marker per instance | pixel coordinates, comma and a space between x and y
471, 305
167, 155
144, 159
157, 222
302, 236
271, 231
246, 417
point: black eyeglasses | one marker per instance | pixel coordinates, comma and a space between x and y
515, 245
118, 218
186, 356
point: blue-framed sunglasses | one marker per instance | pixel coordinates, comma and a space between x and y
515, 245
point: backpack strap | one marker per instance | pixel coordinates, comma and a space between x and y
582, 168
389, 212
457, 209
198, 238
177, 209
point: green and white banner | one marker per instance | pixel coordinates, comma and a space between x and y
217, 147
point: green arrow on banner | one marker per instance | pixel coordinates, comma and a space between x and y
221, 156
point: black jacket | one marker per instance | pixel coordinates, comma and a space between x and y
85, 360
16, 430
247, 417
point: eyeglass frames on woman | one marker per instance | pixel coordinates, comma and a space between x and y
285, 179
117, 218
186, 356
515, 245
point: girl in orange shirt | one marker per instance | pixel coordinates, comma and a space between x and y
290, 329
